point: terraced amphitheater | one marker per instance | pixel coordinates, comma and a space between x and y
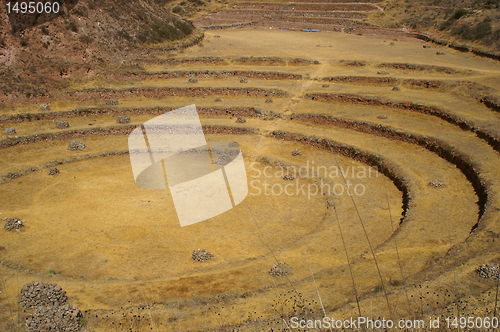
394, 210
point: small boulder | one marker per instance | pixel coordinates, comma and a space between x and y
10, 131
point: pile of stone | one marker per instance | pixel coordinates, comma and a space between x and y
13, 223
296, 152
64, 318
53, 171
38, 294
288, 177
326, 85
241, 120
491, 271
218, 99
193, 80
243, 80
396, 88
440, 53
382, 116
201, 255
76, 145
111, 102
123, 119
437, 183
279, 269
51, 312
62, 124
10, 131
223, 160
427, 46
45, 107
383, 72
269, 100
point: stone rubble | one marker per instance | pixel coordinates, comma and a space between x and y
241, 120
76, 145
218, 99
243, 80
123, 119
437, 183
51, 311
111, 102
201, 255
53, 171
383, 72
296, 152
269, 100
288, 177
45, 107
38, 294
491, 271
396, 88
279, 269
193, 80
13, 223
382, 116
62, 124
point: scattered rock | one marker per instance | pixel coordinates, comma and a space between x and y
13, 223
10, 131
330, 202
54, 171
38, 294
279, 269
288, 177
62, 124
217, 36
218, 99
326, 85
111, 102
269, 100
45, 107
383, 72
201, 255
427, 46
396, 88
382, 116
440, 53
392, 43
296, 152
193, 80
233, 144
76, 145
437, 183
244, 80
491, 271
241, 120
122, 119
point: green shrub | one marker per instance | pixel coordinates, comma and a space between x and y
44, 30
177, 9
